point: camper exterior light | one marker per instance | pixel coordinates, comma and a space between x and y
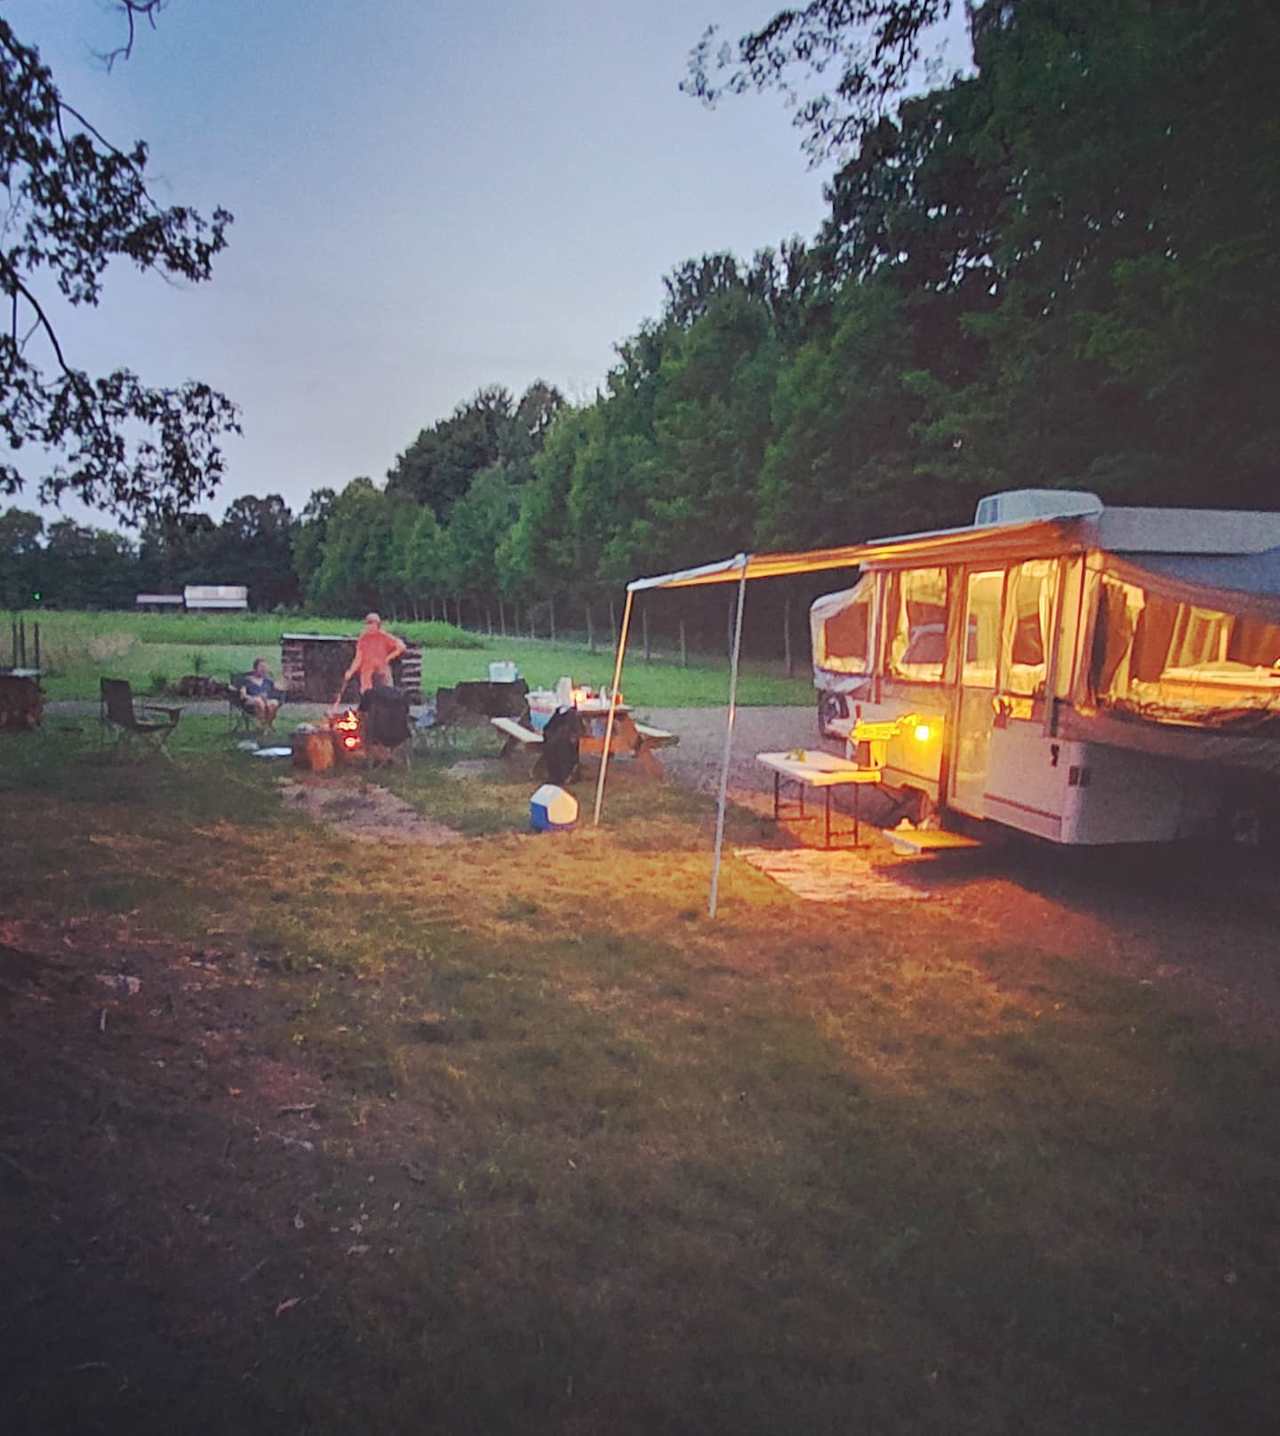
922, 732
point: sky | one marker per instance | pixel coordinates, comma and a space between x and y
429, 196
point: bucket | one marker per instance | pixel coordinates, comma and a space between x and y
312, 748
552, 810
503, 672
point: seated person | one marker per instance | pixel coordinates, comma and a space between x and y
384, 713
259, 694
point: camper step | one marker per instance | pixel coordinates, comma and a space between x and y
929, 840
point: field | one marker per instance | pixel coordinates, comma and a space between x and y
149, 649
299, 1133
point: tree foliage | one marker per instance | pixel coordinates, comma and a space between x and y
75, 203
873, 45
1060, 270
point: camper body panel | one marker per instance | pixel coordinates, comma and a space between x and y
911, 761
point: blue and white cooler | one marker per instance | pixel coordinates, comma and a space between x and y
552, 810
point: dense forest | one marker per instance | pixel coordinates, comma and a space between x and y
1061, 269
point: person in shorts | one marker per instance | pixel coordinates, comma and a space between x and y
376, 650
260, 695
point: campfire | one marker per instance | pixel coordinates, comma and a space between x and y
348, 740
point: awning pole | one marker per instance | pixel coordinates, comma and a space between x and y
613, 706
728, 740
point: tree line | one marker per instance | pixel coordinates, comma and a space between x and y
1061, 269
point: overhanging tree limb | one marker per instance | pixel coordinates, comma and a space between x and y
875, 44
76, 201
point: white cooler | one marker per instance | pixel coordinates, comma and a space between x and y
552, 810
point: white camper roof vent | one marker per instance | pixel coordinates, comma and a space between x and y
1019, 505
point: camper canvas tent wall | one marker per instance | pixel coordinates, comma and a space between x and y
1190, 560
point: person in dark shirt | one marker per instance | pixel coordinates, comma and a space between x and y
260, 695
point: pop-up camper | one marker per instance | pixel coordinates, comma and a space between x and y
1084, 673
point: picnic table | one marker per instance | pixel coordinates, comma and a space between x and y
812, 768
629, 738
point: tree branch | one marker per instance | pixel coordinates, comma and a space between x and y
132, 8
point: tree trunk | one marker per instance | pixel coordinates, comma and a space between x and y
488, 619
613, 624
552, 602
644, 628
591, 634
457, 608
684, 649
502, 618
532, 634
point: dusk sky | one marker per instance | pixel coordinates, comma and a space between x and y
429, 196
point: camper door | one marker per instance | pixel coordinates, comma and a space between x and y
976, 708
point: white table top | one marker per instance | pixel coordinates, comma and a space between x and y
818, 769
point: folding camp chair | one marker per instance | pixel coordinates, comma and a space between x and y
117, 711
240, 717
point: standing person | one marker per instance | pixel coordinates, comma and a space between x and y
260, 695
375, 651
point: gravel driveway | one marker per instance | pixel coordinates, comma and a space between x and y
695, 761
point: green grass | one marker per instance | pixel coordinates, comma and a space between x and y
588, 1161
77, 649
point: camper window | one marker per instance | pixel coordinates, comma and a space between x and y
1027, 616
918, 618
1177, 662
845, 635
983, 624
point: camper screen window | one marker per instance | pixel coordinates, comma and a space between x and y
918, 615
1177, 662
845, 634
1026, 629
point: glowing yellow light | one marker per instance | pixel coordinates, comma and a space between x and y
922, 732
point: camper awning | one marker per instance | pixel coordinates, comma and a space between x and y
1037, 538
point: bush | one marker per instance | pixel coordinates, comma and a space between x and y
159, 682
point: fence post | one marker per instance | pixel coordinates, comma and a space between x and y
786, 634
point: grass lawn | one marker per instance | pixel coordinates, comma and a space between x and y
505, 1136
77, 649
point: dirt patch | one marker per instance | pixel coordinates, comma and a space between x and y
366, 812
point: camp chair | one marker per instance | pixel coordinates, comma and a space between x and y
117, 711
441, 730
386, 726
240, 717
